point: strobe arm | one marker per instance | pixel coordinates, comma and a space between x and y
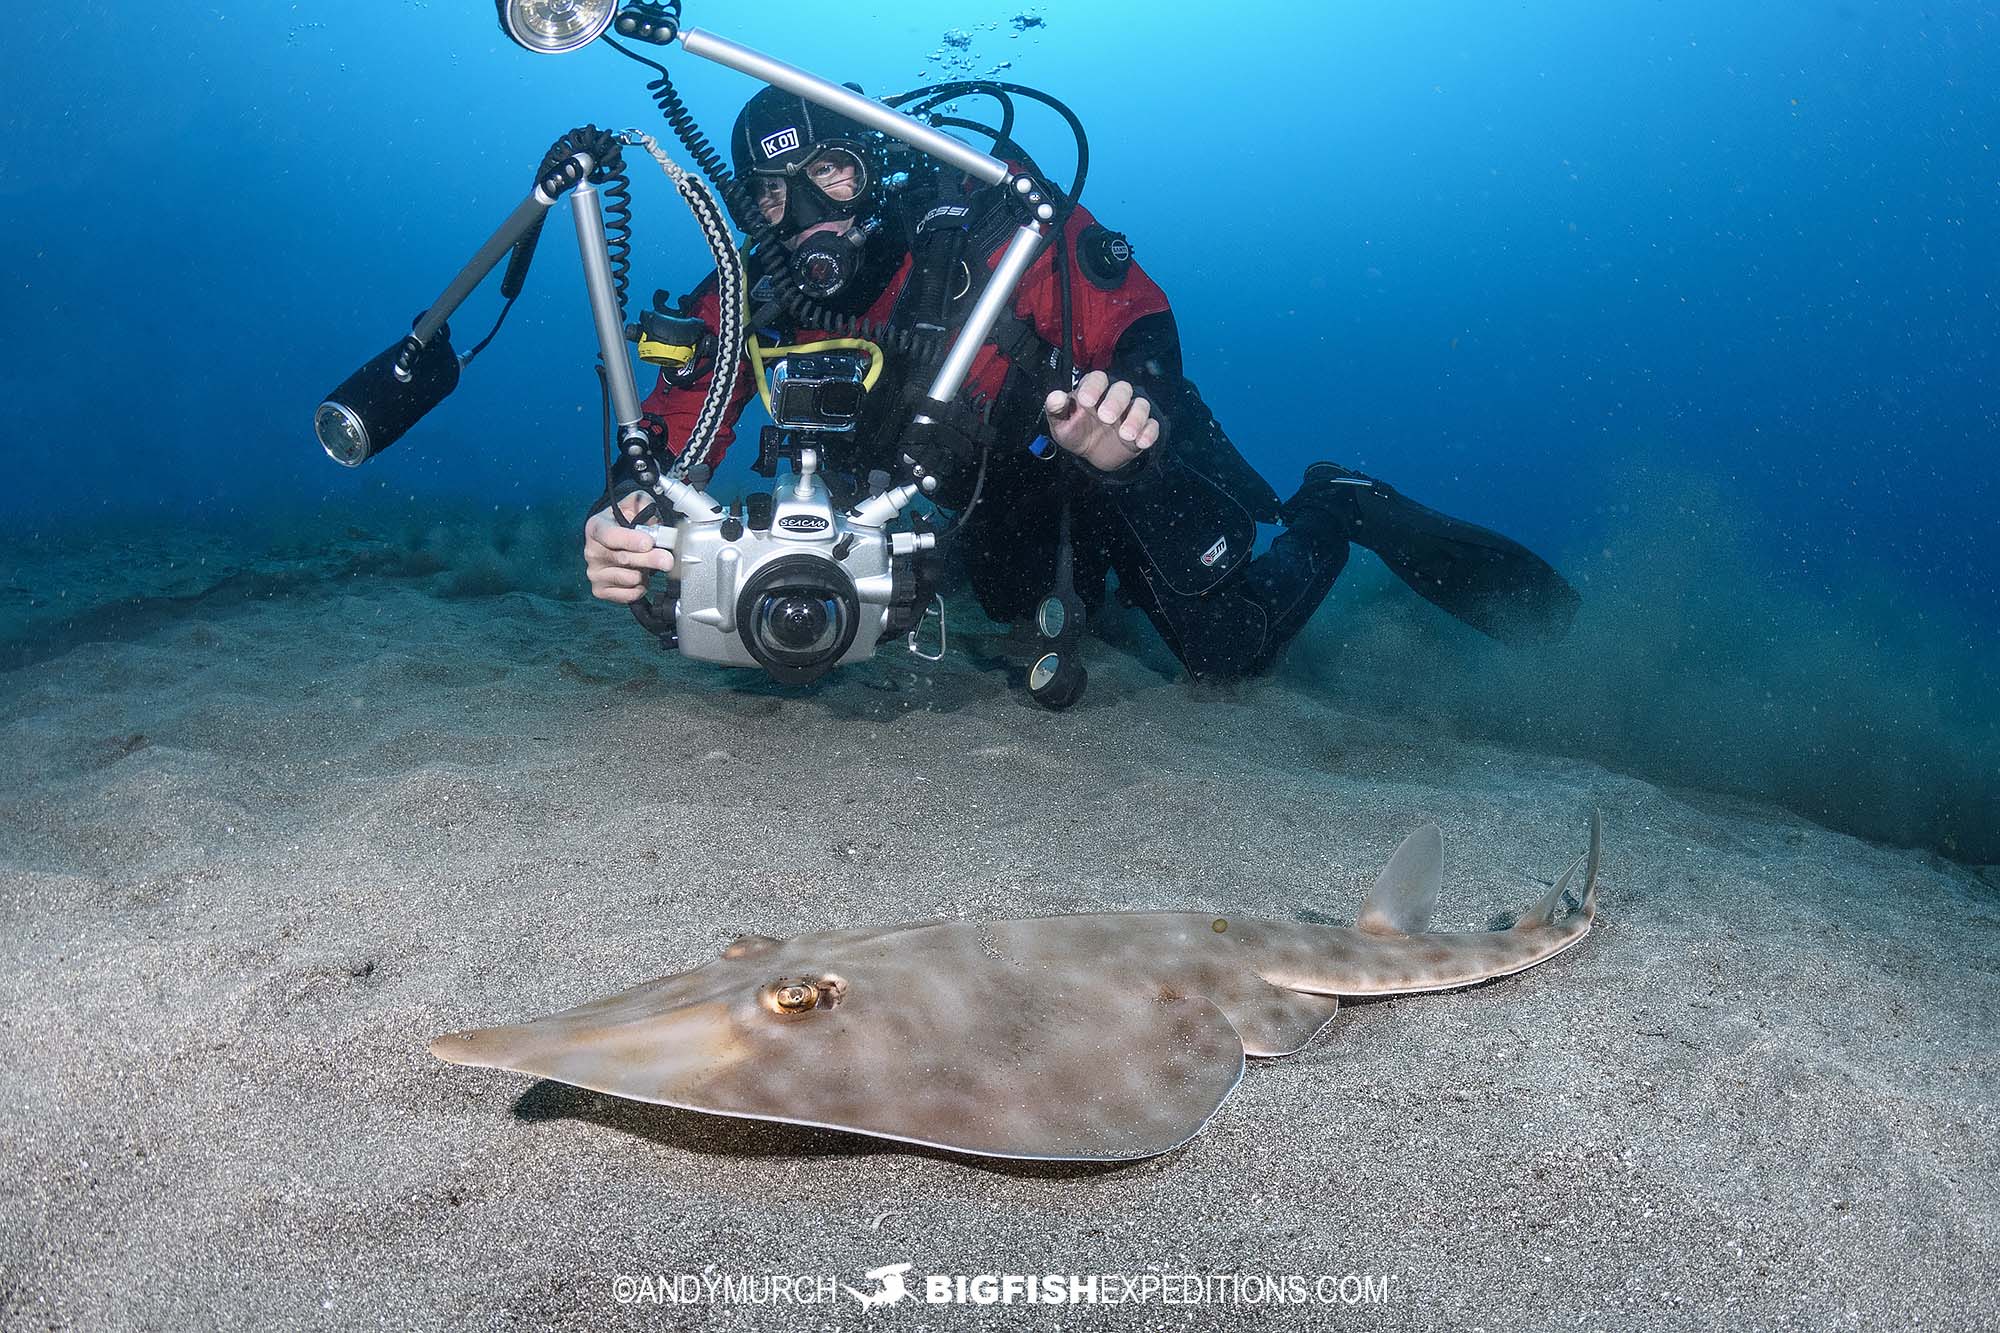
931, 448
521, 223
604, 309
376, 405
867, 111
998, 296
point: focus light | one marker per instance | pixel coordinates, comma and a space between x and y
550, 27
374, 406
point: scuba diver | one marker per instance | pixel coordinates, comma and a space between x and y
1141, 481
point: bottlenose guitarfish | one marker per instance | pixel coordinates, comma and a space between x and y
1092, 1038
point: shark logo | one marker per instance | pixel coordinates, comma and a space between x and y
890, 1287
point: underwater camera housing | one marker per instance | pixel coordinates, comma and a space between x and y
790, 582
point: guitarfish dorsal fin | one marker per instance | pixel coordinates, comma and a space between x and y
1406, 895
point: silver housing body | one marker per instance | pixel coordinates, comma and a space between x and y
714, 569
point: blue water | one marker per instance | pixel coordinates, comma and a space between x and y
1554, 268
1489, 252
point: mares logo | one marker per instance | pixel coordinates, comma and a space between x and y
784, 141
1215, 552
803, 523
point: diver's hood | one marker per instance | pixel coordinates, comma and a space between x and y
777, 131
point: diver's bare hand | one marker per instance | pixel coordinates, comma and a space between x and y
1105, 424
618, 558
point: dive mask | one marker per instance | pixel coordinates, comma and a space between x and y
831, 184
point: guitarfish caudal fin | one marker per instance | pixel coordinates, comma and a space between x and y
1545, 911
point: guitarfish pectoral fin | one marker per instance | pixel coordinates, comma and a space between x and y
1274, 1021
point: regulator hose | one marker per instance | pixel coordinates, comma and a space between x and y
935, 93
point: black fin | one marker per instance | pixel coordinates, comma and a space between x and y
1491, 582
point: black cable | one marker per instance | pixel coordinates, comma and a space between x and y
1003, 145
498, 320
604, 398
683, 124
978, 489
609, 500
617, 190
957, 523
987, 86
1007, 111
607, 172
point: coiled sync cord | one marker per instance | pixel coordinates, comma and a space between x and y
607, 173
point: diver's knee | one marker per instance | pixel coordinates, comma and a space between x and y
1226, 647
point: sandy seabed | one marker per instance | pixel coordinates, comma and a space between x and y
261, 840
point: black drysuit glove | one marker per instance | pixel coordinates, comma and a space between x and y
941, 452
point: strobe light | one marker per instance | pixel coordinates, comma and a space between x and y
550, 27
